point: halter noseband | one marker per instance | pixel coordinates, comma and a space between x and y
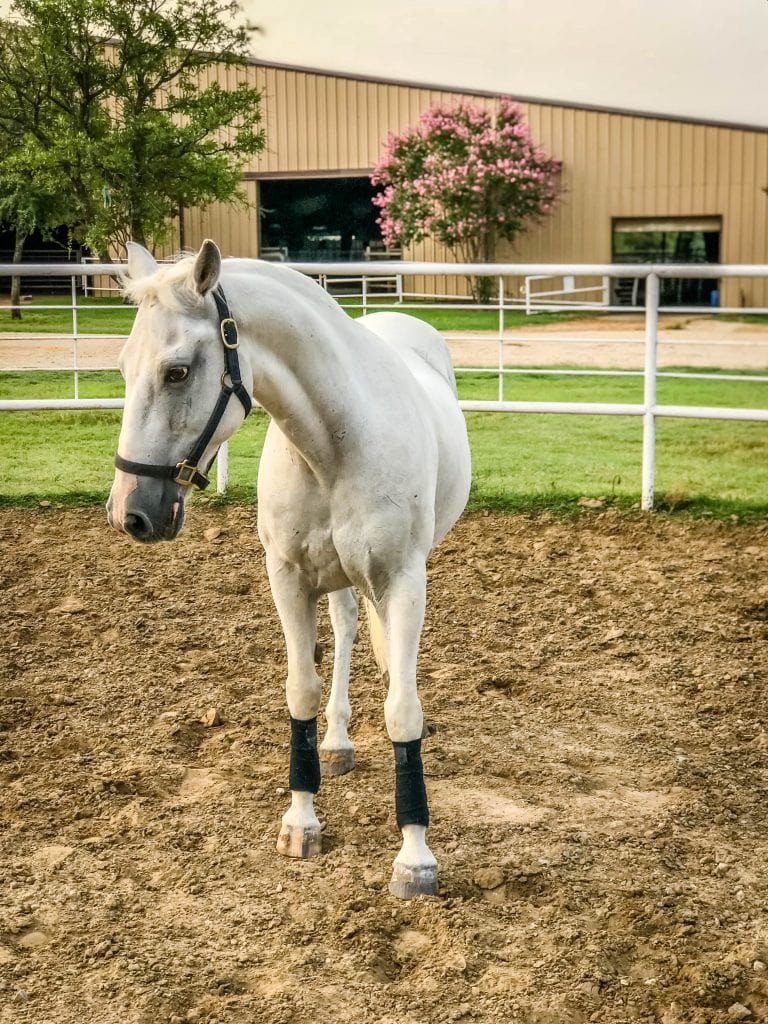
187, 472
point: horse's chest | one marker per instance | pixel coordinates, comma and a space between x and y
319, 561
310, 549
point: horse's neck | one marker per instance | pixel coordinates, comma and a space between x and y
298, 350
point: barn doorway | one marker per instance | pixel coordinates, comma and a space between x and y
317, 219
671, 240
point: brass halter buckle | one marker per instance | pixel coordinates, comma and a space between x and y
224, 322
186, 474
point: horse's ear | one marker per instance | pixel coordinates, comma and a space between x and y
141, 262
207, 267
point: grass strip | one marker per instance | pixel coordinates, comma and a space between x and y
526, 461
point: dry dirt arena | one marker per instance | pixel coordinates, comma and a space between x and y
597, 765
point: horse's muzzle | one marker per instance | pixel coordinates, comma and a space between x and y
138, 526
148, 529
148, 514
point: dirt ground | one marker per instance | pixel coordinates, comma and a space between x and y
610, 342
617, 342
597, 769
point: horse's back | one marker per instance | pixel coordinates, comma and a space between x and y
413, 337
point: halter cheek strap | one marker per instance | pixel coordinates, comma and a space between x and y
187, 473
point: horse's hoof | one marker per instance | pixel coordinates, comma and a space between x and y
337, 762
295, 841
409, 882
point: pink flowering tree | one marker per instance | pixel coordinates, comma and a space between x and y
467, 176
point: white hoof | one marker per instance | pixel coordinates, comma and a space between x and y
408, 882
300, 841
337, 762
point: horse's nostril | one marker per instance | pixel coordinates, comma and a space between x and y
137, 525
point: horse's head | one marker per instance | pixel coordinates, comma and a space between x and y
180, 363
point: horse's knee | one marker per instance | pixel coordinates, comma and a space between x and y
404, 717
303, 695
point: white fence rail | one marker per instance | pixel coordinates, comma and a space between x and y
538, 300
649, 410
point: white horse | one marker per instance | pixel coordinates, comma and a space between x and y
365, 468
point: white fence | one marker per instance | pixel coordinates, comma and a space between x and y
537, 299
649, 410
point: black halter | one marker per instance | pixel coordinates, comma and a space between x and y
187, 472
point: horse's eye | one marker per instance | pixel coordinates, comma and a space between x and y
176, 374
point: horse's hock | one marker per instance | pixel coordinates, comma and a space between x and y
597, 695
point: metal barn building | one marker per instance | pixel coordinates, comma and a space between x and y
636, 187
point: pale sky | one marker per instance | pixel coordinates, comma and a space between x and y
696, 58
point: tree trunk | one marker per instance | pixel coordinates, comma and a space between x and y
182, 230
137, 232
18, 251
486, 286
484, 290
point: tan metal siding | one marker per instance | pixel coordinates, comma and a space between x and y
643, 167
614, 165
233, 228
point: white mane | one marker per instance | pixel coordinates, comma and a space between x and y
173, 287
171, 284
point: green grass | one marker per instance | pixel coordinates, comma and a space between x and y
92, 318
702, 465
521, 461
546, 387
745, 318
456, 319
59, 384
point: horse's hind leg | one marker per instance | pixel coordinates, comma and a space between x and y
337, 752
296, 605
402, 608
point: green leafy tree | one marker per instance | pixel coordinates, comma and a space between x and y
113, 98
30, 197
468, 176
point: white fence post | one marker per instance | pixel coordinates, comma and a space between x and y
74, 337
222, 468
649, 394
501, 338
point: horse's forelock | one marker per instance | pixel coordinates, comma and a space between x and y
171, 286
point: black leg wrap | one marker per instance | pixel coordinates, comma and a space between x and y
304, 773
410, 792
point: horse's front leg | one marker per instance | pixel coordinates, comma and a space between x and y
337, 752
296, 605
402, 609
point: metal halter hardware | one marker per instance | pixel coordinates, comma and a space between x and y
187, 472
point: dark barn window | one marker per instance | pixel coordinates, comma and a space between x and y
318, 219
672, 240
